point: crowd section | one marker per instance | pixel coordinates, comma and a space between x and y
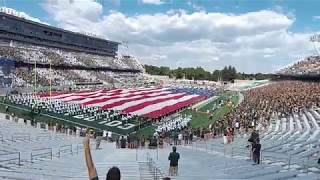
30, 76
273, 101
43, 77
307, 66
30, 54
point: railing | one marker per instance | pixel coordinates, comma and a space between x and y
66, 149
41, 153
21, 136
283, 156
155, 171
16, 157
43, 137
79, 148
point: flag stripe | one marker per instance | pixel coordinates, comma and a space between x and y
147, 103
152, 107
149, 99
113, 99
151, 102
168, 109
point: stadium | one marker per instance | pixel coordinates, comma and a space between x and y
73, 107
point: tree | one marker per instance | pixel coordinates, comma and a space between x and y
228, 73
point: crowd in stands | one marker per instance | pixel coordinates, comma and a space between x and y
279, 99
307, 66
24, 76
29, 54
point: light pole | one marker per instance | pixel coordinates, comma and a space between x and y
35, 76
50, 80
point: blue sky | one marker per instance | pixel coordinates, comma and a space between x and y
253, 35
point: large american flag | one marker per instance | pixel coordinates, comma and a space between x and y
150, 102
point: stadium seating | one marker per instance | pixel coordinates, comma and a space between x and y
307, 66
43, 55
67, 161
292, 142
30, 53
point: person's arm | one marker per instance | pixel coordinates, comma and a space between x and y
254, 147
91, 169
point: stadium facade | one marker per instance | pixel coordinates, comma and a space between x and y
26, 31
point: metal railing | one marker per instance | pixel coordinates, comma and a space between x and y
43, 137
280, 156
79, 147
66, 149
287, 158
154, 169
40, 153
21, 136
16, 157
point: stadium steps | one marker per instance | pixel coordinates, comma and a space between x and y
306, 177
278, 175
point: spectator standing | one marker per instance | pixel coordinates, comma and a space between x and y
180, 138
256, 151
98, 142
123, 142
185, 136
174, 159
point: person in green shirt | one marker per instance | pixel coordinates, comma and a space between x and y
174, 159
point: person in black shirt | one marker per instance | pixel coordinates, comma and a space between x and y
256, 151
123, 142
174, 159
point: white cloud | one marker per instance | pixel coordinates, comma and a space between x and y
155, 2
316, 17
21, 14
253, 42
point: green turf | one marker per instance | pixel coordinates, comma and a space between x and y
213, 103
146, 132
201, 118
209, 106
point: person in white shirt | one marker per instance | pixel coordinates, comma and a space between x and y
179, 138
